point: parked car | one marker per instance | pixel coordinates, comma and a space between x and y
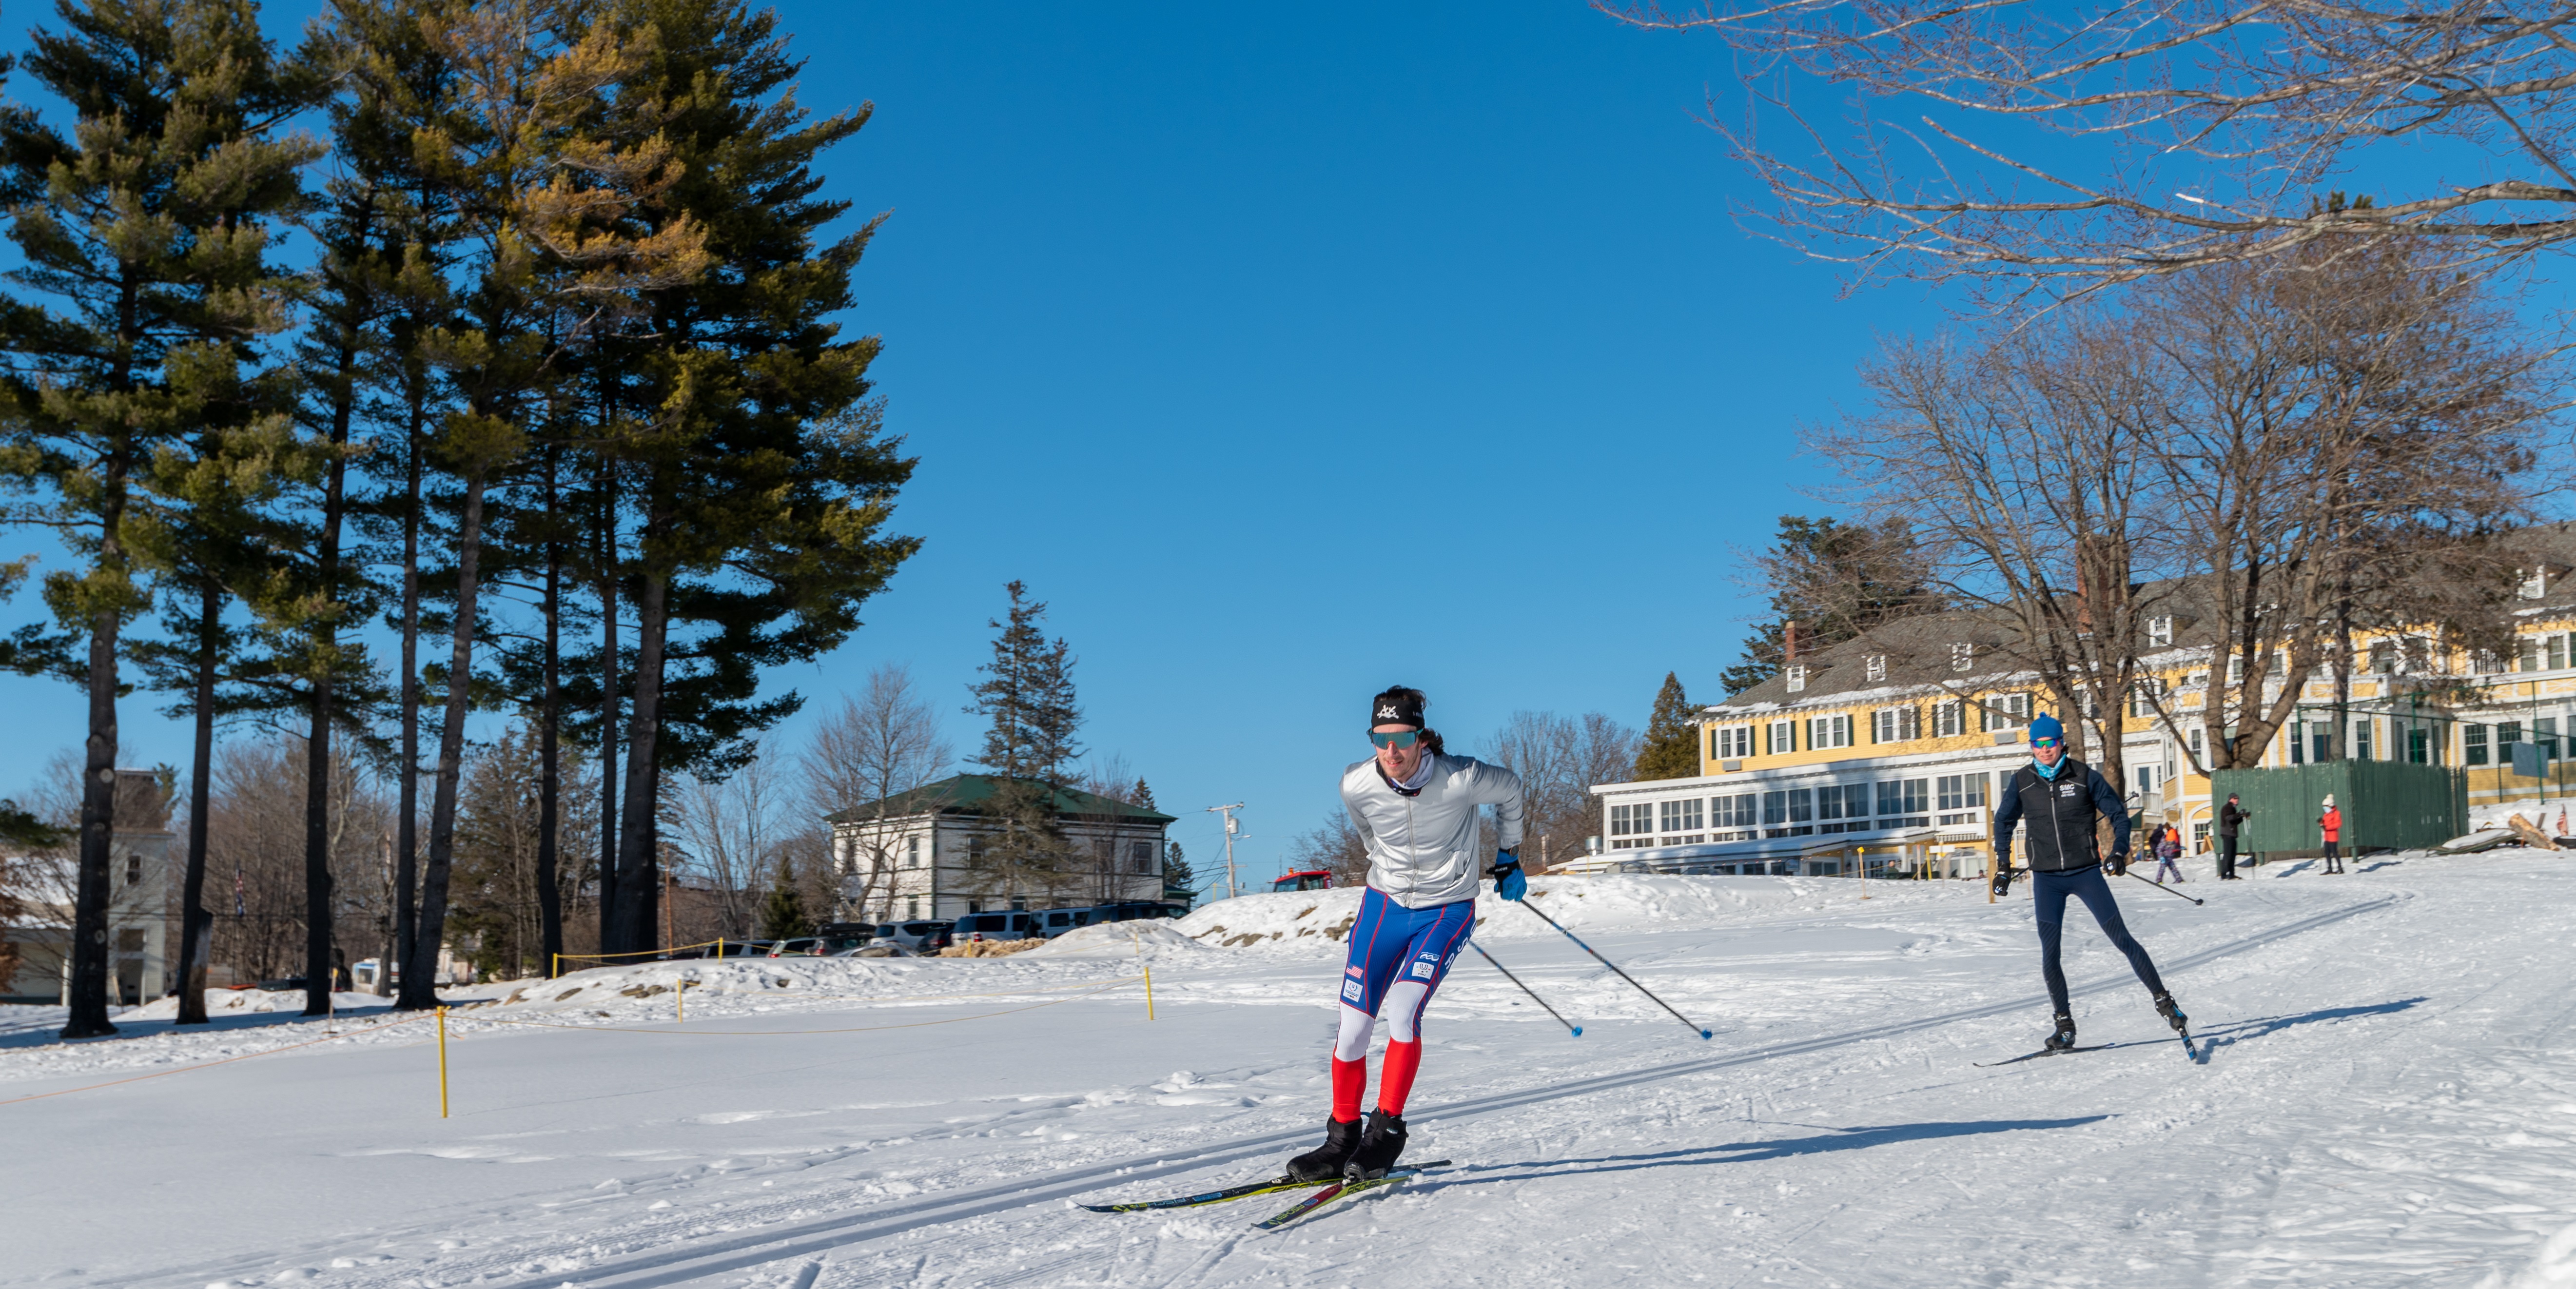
1013, 925
803, 946
877, 949
833, 939
921, 935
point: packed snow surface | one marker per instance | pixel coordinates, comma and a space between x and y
2386, 1096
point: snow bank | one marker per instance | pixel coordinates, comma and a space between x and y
1599, 901
1128, 940
2544, 813
237, 1002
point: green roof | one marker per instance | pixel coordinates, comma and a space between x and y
965, 794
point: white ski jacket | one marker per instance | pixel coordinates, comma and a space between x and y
1422, 846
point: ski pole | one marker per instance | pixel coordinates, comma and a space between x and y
1525, 902
1507, 975
2162, 887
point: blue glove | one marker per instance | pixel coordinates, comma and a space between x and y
1508, 881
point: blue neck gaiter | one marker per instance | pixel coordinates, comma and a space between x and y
2048, 772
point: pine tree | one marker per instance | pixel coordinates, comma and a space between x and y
1671, 749
743, 441
140, 238
1027, 696
1835, 580
1142, 796
782, 915
1179, 883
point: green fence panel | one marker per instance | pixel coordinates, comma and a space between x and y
2387, 805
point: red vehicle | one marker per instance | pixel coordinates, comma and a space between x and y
1313, 879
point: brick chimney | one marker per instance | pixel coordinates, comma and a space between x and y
1789, 641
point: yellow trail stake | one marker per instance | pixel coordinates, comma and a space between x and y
554, 967
681, 988
442, 1062
1149, 971
1864, 872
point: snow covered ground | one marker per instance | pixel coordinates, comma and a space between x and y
2387, 1098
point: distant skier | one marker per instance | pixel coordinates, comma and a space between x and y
2063, 797
2168, 843
2330, 826
1417, 806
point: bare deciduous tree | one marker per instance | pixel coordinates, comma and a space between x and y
881, 743
2073, 146
1558, 759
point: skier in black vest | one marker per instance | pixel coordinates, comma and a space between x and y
2062, 797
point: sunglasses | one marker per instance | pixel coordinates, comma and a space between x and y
1397, 738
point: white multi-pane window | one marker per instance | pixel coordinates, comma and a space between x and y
2473, 744
2535, 582
2160, 631
1631, 821
912, 852
1682, 816
1949, 719
1796, 678
1141, 855
1895, 725
1904, 803
2142, 699
1789, 812
1960, 791
1784, 737
1742, 810
1962, 656
1875, 666
1829, 731
2004, 712
1729, 742
1842, 807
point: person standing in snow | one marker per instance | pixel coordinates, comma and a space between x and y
2231, 818
1418, 808
2063, 797
2330, 825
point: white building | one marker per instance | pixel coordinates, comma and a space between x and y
919, 854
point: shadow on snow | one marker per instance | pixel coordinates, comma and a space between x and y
1746, 1152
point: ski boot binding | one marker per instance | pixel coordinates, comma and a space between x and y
2064, 1039
1379, 1147
2166, 1008
1325, 1162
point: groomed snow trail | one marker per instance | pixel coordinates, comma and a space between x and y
2384, 1100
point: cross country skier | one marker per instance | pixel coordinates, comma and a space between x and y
1417, 807
2063, 796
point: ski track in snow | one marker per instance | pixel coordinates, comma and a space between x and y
2384, 1097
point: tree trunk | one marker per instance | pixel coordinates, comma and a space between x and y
417, 991
549, 748
196, 926
610, 939
90, 977
319, 962
407, 825
635, 858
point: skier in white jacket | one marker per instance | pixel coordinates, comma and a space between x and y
1419, 810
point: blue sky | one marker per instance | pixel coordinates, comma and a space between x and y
1289, 353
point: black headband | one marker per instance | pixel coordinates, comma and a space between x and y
1395, 709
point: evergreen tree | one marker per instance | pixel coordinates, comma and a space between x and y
1671, 750
782, 915
744, 446
1835, 580
1179, 883
1142, 796
1027, 698
141, 244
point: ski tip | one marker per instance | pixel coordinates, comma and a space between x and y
1578, 1031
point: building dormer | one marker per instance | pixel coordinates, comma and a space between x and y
1794, 677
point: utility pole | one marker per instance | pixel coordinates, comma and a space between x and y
1233, 826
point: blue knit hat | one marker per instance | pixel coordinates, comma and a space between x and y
2046, 732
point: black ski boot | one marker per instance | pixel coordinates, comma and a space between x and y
1326, 1161
2173, 1014
2064, 1038
1378, 1148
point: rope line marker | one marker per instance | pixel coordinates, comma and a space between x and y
208, 1065
783, 1033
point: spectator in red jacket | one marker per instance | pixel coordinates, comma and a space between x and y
2330, 824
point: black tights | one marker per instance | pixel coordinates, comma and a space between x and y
2048, 905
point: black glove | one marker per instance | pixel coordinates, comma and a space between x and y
2118, 864
2003, 879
